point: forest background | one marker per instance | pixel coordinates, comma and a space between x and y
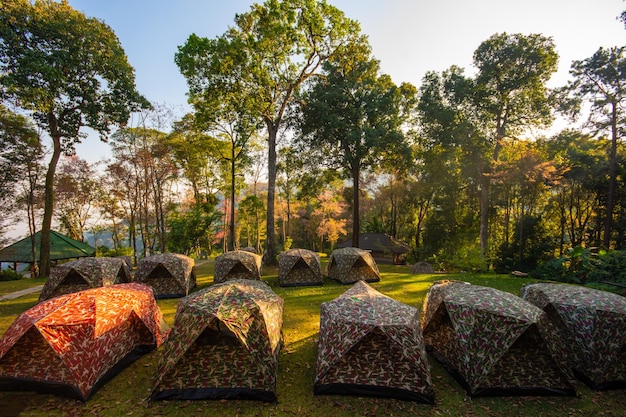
459, 167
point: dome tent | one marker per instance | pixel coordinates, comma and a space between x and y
370, 344
237, 264
592, 323
493, 342
299, 267
349, 265
85, 273
70, 345
224, 344
169, 274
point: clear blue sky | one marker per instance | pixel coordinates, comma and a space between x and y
409, 37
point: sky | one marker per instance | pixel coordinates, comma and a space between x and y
408, 37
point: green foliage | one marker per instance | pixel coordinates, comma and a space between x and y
71, 71
121, 251
529, 246
287, 244
260, 62
10, 275
468, 259
610, 266
191, 231
584, 265
575, 266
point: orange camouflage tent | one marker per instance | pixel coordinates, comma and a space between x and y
72, 344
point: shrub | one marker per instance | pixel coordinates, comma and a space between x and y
610, 267
10, 275
582, 265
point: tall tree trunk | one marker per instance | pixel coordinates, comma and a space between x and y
30, 208
356, 224
231, 237
132, 236
269, 257
288, 227
484, 212
44, 248
610, 200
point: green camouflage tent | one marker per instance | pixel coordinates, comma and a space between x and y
83, 274
237, 264
349, 265
299, 267
224, 344
592, 324
169, 274
494, 342
370, 344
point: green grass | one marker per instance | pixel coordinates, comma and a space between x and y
127, 394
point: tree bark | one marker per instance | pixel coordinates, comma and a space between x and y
269, 257
44, 248
356, 224
231, 236
610, 200
484, 213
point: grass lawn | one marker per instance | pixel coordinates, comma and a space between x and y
127, 394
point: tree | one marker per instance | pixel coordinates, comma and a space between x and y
21, 157
576, 195
144, 169
195, 153
511, 96
77, 191
17, 135
352, 117
228, 119
69, 71
453, 139
601, 79
330, 225
191, 228
271, 52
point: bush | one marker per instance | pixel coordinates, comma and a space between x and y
10, 275
582, 265
610, 266
552, 270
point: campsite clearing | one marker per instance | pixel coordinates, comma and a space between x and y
128, 393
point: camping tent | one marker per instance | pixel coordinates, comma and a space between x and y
494, 342
224, 344
83, 274
349, 265
61, 247
237, 264
370, 344
169, 274
70, 345
592, 324
298, 267
383, 247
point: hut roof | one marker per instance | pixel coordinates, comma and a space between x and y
379, 242
61, 247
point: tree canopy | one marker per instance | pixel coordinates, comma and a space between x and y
351, 118
68, 71
267, 56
